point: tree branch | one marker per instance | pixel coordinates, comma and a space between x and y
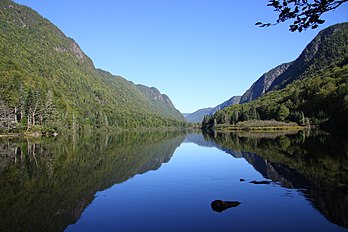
304, 13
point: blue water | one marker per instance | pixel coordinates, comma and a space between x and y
177, 197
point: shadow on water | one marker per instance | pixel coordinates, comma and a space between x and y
315, 163
45, 184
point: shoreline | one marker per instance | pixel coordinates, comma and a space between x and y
260, 128
82, 130
16, 135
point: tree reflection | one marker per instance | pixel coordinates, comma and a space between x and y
45, 184
315, 163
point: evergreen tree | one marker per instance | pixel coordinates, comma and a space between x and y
50, 113
21, 104
234, 117
253, 112
282, 113
303, 119
207, 122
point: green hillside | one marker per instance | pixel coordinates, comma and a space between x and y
160, 102
319, 96
47, 81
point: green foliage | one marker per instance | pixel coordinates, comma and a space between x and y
160, 102
282, 112
52, 83
234, 117
316, 99
208, 122
305, 14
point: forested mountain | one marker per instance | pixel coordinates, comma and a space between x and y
312, 89
47, 81
328, 48
198, 115
161, 102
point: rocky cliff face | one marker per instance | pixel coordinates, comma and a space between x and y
262, 84
329, 47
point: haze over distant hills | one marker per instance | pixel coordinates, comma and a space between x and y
197, 116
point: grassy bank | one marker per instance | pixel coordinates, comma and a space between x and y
260, 126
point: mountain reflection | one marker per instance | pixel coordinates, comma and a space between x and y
45, 184
315, 163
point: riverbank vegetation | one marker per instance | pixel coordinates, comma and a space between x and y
260, 125
320, 99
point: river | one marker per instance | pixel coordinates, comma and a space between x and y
175, 181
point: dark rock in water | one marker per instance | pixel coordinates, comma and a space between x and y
219, 205
241, 180
261, 182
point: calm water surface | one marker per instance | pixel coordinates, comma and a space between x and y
167, 181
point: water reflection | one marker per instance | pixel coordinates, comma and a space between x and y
316, 164
45, 184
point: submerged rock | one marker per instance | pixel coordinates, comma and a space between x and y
220, 205
241, 180
260, 182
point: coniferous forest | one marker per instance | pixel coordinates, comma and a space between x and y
48, 84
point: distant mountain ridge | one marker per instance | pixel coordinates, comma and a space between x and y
46, 80
197, 116
232, 101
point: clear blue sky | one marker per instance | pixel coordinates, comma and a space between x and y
198, 52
